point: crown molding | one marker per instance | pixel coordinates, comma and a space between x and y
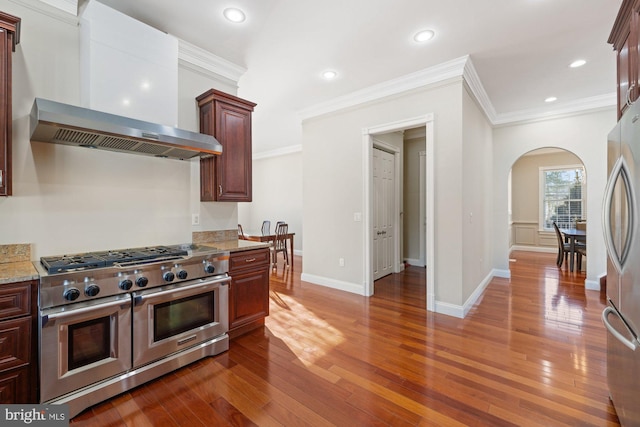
428, 76
69, 6
61, 10
460, 67
291, 149
477, 89
194, 55
594, 103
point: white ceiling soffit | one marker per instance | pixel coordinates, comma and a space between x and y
460, 67
188, 54
69, 6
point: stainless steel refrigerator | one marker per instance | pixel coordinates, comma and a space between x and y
621, 317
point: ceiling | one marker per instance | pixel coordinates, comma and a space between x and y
521, 49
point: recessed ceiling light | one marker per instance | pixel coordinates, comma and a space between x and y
551, 99
577, 63
424, 35
329, 74
126, 101
234, 15
145, 85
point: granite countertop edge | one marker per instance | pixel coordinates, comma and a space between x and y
20, 271
238, 245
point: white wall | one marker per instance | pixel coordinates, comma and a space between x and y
584, 135
411, 205
67, 199
333, 186
477, 205
277, 196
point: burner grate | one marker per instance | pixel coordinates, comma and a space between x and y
93, 260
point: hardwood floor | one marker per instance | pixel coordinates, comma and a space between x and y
530, 353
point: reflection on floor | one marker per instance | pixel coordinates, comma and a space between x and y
530, 353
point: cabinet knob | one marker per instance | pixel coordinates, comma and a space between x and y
0, 177
219, 189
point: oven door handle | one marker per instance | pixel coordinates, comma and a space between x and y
46, 317
200, 286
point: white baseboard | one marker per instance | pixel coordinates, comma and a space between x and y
333, 283
461, 311
592, 285
544, 249
505, 274
414, 262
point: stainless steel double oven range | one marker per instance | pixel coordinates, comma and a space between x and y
109, 321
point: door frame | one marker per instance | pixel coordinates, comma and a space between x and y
423, 208
367, 147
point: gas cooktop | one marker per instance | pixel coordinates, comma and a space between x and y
91, 260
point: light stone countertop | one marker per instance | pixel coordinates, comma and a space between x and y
15, 264
238, 245
20, 271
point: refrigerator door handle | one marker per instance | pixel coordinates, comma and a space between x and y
632, 344
620, 171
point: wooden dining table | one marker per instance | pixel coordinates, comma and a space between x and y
259, 237
571, 235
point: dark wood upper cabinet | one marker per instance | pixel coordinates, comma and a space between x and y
226, 177
9, 38
625, 40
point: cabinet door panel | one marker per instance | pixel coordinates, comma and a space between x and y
15, 348
234, 166
14, 387
15, 300
623, 77
249, 297
226, 177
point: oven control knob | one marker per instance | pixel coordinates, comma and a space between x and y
182, 274
142, 281
71, 294
168, 276
209, 268
125, 284
91, 290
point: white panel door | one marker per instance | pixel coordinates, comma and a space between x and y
383, 202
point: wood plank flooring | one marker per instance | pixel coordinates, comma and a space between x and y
530, 353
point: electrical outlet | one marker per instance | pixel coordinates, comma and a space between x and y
341, 262
195, 219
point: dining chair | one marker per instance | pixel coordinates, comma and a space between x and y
266, 228
581, 251
563, 248
280, 244
241, 235
581, 225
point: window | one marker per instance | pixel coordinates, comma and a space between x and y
561, 196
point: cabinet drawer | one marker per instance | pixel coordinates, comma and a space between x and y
249, 259
15, 300
14, 387
15, 339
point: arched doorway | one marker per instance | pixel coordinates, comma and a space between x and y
546, 185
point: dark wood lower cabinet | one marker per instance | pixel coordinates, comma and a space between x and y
18, 345
249, 290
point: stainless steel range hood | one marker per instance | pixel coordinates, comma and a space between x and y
70, 125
